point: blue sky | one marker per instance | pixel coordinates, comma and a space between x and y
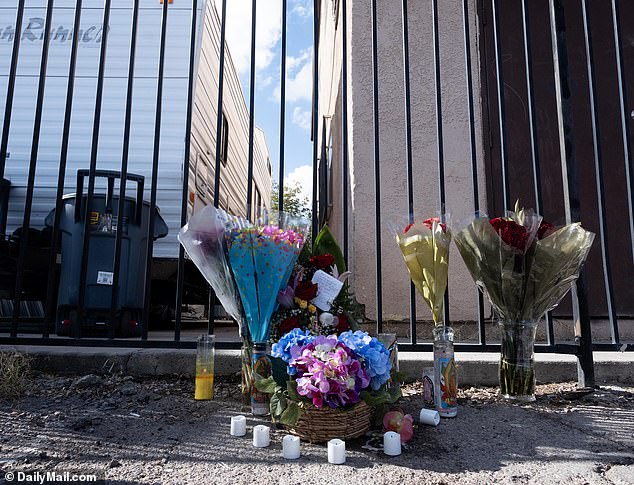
298, 148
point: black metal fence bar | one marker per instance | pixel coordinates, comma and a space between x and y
408, 156
472, 148
125, 155
598, 167
211, 296
63, 159
251, 110
583, 334
155, 168
76, 324
35, 144
532, 127
8, 108
625, 130
280, 196
440, 142
314, 133
344, 127
499, 74
377, 172
180, 271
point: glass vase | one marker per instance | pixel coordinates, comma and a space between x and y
517, 360
391, 344
445, 378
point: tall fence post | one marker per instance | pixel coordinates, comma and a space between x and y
583, 333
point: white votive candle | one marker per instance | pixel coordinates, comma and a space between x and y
261, 438
392, 443
429, 417
290, 447
238, 425
336, 452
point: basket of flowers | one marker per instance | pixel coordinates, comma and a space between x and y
326, 387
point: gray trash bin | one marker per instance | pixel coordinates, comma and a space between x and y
104, 222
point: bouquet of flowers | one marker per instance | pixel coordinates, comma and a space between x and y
525, 267
317, 297
247, 264
425, 248
327, 373
262, 257
203, 239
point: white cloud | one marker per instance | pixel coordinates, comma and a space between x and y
301, 118
302, 8
268, 32
299, 77
302, 176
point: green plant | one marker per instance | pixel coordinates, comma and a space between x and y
14, 371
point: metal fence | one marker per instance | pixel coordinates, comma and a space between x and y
583, 346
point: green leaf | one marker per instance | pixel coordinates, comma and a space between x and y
278, 404
325, 243
291, 414
279, 371
291, 387
378, 398
267, 385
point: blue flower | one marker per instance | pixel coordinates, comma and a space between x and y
376, 358
282, 348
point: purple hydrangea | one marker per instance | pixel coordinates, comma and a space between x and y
282, 348
375, 357
328, 372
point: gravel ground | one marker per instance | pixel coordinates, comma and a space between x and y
152, 431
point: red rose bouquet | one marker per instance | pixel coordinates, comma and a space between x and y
525, 267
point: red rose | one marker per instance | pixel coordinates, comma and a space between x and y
323, 261
306, 290
344, 324
429, 223
511, 232
545, 230
289, 324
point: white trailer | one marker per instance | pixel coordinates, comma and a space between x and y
173, 128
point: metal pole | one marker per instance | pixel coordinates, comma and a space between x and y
77, 323
8, 108
472, 149
180, 282
124, 172
408, 154
583, 333
501, 105
377, 171
35, 145
344, 127
280, 196
63, 158
251, 111
155, 167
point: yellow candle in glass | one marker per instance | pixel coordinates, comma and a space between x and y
205, 368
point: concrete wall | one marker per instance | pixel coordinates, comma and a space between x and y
361, 227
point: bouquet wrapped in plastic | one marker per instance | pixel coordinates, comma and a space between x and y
203, 237
425, 248
262, 257
525, 267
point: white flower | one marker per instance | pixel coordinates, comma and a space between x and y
328, 319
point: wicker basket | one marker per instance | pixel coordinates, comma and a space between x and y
319, 425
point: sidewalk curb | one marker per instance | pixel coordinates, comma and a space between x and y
473, 368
